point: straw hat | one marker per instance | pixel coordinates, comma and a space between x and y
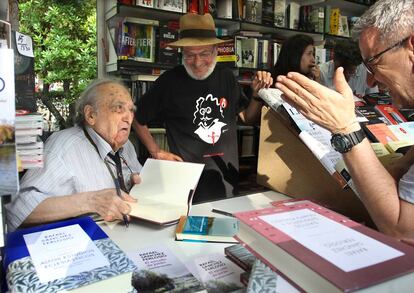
197, 30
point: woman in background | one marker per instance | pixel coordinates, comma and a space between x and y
297, 54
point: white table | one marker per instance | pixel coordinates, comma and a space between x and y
141, 234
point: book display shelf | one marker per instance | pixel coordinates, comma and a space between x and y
110, 12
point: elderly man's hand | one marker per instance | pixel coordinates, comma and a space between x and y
110, 206
135, 179
262, 79
164, 155
332, 110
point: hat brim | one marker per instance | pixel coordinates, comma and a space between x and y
193, 42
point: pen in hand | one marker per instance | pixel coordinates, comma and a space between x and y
118, 192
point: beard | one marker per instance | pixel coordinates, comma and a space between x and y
203, 77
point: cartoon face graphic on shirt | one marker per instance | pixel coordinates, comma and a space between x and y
207, 116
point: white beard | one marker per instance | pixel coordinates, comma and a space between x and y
209, 71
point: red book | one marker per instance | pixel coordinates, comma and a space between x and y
322, 251
379, 133
391, 113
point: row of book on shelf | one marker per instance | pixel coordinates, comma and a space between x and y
290, 246
135, 39
279, 13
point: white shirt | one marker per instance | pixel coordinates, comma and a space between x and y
71, 165
406, 186
357, 82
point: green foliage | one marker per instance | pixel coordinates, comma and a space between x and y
64, 35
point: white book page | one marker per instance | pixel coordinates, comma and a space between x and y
166, 180
62, 252
164, 190
342, 246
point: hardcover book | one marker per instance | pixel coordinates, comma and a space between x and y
280, 13
263, 278
254, 11
167, 54
391, 114
322, 251
268, 12
136, 39
163, 197
145, 3
379, 133
370, 113
159, 270
171, 5
207, 229
225, 9
226, 53
241, 256
249, 49
67, 255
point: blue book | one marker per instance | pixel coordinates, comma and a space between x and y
22, 274
207, 229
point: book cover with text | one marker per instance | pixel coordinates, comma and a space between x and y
322, 251
159, 270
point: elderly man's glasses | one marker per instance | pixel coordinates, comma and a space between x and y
367, 62
205, 55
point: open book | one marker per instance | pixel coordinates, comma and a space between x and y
166, 190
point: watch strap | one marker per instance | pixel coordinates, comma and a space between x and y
356, 137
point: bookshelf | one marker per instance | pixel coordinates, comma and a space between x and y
109, 12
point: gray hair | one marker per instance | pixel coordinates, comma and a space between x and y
394, 19
90, 96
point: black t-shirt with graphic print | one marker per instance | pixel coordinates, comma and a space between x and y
200, 117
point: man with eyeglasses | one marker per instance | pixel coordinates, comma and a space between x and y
82, 163
386, 40
347, 56
199, 103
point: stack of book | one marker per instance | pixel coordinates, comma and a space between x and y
321, 251
29, 128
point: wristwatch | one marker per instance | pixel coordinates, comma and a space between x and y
343, 143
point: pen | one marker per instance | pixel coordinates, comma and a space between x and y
118, 192
222, 212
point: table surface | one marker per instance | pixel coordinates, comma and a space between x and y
142, 234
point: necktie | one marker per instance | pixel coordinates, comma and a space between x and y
117, 159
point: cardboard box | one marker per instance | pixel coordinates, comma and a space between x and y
286, 165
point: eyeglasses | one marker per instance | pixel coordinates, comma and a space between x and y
205, 55
367, 62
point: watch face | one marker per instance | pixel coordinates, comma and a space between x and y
340, 143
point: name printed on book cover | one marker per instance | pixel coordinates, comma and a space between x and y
62, 252
343, 247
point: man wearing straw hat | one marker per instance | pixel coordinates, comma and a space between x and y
199, 103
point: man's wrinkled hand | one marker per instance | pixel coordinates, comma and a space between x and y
109, 205
333, 110
164, 155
